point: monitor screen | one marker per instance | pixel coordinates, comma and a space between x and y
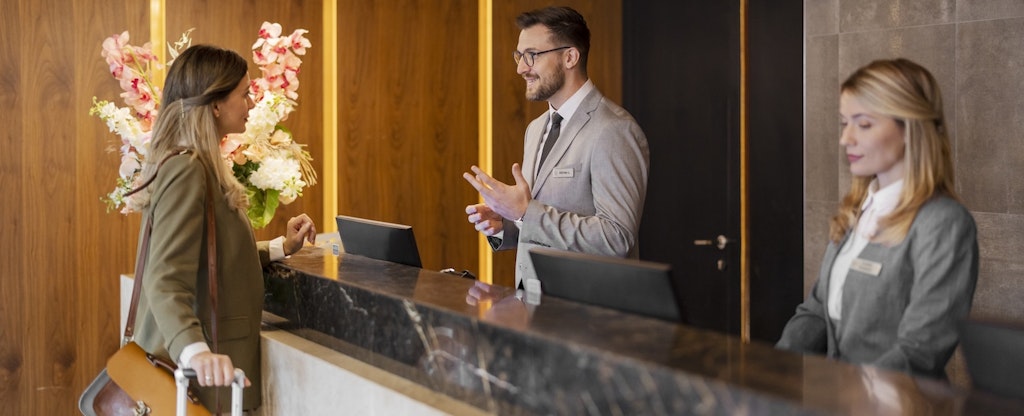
378, 240
992, 352
636, 286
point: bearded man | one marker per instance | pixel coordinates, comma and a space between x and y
583, 180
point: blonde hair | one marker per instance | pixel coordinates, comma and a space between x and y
201, 76
906, 92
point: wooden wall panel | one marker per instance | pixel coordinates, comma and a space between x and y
12, 277
407, 120
105, 242
512, 112
48, 72
234, 24
61, 251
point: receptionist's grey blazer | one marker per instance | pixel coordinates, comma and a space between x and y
905, 317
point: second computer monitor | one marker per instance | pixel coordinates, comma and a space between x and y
379, 240
628, 285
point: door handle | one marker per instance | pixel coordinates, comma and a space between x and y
721, 241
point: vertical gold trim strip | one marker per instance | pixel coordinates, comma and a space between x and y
158, 37
744, 197
329, 176
486, 111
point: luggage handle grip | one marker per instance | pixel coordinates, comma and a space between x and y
183, 375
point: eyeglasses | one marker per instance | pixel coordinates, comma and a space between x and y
531, 57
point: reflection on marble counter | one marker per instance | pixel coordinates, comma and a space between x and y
560, 357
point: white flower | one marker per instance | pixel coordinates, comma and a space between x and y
141, 143
262, 120
267, 113
261, 129
279, 174
120, 120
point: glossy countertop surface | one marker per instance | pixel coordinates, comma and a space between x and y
482, 344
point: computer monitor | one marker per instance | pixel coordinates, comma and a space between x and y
636, 286
993, 354
379, 240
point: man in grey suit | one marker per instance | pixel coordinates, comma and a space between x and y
584, 175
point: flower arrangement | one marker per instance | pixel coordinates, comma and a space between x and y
273, 168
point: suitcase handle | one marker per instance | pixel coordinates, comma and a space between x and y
183, 375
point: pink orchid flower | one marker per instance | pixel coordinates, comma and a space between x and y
231, 148
270, 30
292, 84
129, 164
267, 31
292, 62
145, 54
113, 48
272, 70
298, 43
268, 54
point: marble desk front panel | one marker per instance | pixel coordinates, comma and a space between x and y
505, 356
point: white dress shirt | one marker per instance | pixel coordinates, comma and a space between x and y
879, 203
567, 111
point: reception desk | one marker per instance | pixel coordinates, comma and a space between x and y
505, 356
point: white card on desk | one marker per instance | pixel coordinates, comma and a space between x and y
533, 291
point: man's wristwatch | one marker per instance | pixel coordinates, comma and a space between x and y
519, 222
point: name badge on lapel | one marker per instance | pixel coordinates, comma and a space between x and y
866, 266
562, 173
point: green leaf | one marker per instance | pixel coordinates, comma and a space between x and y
242, 172
262, 205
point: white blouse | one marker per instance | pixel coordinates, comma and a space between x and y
879, 203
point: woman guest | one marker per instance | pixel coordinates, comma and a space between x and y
206, 96
901, 267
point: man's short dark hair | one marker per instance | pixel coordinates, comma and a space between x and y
567, 27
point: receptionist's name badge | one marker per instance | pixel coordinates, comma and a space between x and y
562, 173
866, 266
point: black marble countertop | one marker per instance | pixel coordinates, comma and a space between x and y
503, 356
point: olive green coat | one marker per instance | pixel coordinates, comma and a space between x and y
174, 308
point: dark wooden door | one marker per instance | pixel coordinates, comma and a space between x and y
681, 69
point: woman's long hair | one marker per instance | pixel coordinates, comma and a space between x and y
906, 92
198, 78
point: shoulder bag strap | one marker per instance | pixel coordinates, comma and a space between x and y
211, 258
140, 265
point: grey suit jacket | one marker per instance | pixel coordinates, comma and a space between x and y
905, 317
174, 308
589, 194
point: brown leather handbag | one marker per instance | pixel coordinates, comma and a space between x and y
134, 382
